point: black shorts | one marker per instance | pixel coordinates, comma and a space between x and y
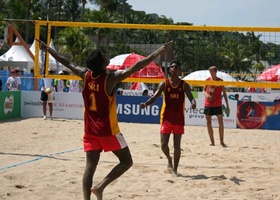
44, 96
213, 111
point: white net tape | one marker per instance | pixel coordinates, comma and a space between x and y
2, 42
6, 34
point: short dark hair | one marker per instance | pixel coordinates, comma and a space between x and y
176, 62
213, 68
95, 60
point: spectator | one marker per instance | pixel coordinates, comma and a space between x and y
60, 84
120, 91
18, 75
251, 89
145, 93
47, 88
154, 90
13, 82
74, 86
263, 90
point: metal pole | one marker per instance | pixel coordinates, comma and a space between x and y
48, 9
124, 30
165, 67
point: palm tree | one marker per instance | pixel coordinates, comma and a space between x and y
75, 43
72, 10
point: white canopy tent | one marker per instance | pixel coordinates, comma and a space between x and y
18, 57
53, 64
202, 75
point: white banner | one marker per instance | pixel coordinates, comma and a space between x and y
66, 105
196, 117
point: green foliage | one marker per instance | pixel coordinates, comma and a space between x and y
75, 44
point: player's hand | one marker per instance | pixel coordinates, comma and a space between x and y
165, 47
193, 106
228, 110
42, 45
143, 105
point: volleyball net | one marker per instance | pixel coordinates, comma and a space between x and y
242, 53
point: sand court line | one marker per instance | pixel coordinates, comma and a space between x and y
39, 158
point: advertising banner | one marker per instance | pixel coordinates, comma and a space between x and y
70, 106
10, 104
128, 109
196, 117
66, 105
258, 115
247, 114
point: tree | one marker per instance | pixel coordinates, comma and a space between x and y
72, 10
75, 44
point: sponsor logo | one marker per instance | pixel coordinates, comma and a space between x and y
69, 105
32, 103
135, 109
195, 113
263, 98
8, 104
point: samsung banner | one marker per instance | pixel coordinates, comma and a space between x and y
128, 109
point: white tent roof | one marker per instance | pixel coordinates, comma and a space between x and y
53, 64
16, 56
202, 75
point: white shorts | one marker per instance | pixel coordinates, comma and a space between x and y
50, 97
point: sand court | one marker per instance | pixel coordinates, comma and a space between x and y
44, 160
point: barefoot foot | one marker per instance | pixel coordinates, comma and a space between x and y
97, 193
174, 174
169, 165
223, 144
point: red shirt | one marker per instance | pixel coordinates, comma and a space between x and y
100, 115
173, 105
216, 92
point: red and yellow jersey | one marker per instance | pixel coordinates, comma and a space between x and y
216, 92
100, 116
173, 105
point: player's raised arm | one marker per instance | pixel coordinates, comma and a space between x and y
79, 71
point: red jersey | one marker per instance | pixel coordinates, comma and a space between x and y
216, 92
173, 104
100, 115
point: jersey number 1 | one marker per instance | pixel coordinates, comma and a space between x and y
92, 102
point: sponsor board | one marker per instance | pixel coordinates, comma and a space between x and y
196, 117
10, 104
65, 105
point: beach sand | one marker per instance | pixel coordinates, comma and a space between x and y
44, 160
